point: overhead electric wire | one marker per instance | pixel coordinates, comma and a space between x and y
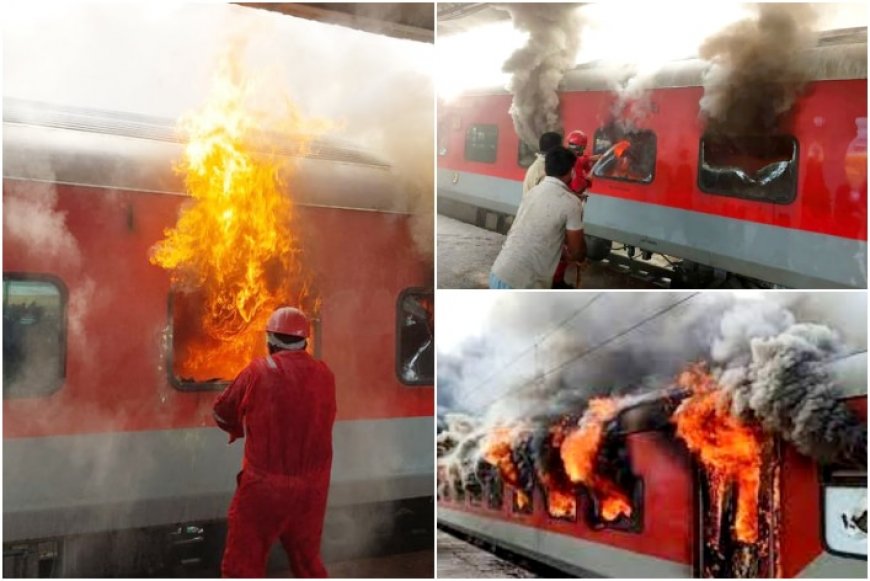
535, 343
598, 346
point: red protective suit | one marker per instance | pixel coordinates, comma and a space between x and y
284, 405
582, 168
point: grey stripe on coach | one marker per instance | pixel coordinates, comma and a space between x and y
784, 256
63, 485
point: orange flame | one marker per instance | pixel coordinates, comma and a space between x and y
579, 451
234, 251
729, 449
620, 147
497, 449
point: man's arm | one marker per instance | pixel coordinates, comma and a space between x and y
576, 243
228, 412
574, 238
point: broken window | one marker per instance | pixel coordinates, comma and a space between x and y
523, 502
199, 361
844, 511
760, 167
415, 361
481, 143
625, 156
495, 491
525, 154
34, 335
614, 462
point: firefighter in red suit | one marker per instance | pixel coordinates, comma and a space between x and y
284, 405
576, 142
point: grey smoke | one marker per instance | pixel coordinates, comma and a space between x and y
537, 68
789, 388
756, 71
765, 354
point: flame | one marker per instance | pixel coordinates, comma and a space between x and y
497, 450
729, 449
233, 251
522, 499
620, 148
579, 451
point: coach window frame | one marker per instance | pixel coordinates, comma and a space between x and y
795, 170
181, 385
829, 478
652, 176
63, 344
493, 137
531, 152
426, 380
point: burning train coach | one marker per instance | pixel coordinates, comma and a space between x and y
131, 298
782, 202
750, 471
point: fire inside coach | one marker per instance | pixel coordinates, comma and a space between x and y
678, 436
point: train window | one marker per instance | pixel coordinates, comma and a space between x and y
198, 361
844, 511
442, 137
561, 504
481, 143
762, 168
525, 154
415, 333
625, 156
34, 335
523, 501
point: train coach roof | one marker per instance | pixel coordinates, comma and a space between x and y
137, 152
840, 54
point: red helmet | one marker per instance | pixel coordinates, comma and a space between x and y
288, 321
577, 138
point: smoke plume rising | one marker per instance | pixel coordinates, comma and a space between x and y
537, 68
757, 71
772, 363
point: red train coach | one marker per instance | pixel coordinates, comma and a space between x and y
786, 209
111, 461
813, 518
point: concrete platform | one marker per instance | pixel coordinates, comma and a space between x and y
458, 559
466, 253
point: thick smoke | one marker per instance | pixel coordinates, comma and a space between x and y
774, 366
537, 68
757, 70
789, 388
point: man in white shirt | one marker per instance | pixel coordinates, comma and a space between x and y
550, 216
536, 172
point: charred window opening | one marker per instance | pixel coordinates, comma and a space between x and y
559, 493
34, 335
525, 154
739, 523
522, 502
481, 143
844, 510
415, 334
625, 156
614, 463
762, 168
523, 456
474, 484
200, 362
495, 490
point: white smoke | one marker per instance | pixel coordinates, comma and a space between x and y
537, 68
